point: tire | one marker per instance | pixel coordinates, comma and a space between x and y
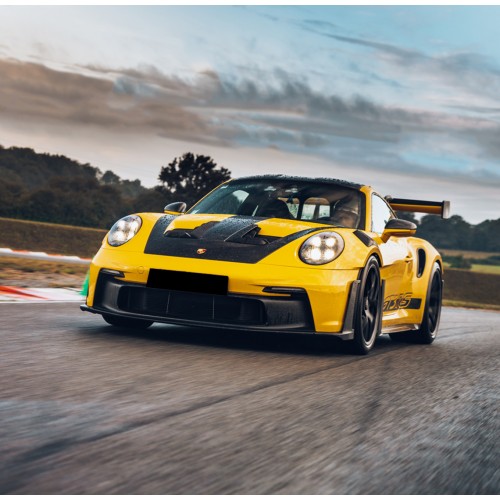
432, 312
368, 309
131, 323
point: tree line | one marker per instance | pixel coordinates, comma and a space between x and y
456, 233
54, 188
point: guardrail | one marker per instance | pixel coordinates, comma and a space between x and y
73, 259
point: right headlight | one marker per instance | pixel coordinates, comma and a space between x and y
321, 248
124, 230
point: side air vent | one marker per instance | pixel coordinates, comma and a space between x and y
421, 262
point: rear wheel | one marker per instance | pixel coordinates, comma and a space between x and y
368, 310
432, 312
132, 323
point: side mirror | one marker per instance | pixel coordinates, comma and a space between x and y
178, 207
398, 227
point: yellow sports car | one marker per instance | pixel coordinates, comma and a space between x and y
275, 253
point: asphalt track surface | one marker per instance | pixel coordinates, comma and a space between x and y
87, 408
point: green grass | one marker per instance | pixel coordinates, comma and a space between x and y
484, 268
39, 273
35, 265
470, 305
50, 238
471, 255
468, 254
476, 268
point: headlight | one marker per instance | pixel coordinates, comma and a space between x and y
124, 230
321, 248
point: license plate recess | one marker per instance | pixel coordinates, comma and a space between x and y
188, 282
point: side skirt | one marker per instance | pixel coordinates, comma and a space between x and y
401, 328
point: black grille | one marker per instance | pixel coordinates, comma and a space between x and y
202, 307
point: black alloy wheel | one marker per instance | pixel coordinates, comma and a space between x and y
369, 309
432, 313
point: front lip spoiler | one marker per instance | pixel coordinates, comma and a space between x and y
206, 324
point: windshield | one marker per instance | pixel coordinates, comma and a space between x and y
286, 199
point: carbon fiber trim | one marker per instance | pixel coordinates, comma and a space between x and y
414, 304
291, 313
223, 241
319, 180
365, 239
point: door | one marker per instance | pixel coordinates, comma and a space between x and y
397, 260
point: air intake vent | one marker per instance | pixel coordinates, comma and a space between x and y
421, 262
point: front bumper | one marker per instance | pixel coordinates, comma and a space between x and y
321, 301
288, 314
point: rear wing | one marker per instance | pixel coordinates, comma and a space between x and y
441, 208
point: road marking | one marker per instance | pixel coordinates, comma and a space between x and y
12, 294
8, 252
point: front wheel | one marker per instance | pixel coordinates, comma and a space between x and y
368, 309
132, 323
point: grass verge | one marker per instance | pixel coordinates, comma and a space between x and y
472, 288
470, 305
40, 274
469, 254
485, 268
50, 238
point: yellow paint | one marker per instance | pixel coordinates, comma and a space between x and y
327, 286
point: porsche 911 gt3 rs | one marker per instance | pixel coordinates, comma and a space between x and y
275, 253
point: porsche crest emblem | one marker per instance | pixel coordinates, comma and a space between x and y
201, 251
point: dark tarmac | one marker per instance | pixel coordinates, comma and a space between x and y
88, 408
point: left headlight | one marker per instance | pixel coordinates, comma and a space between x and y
124, 230
321, 248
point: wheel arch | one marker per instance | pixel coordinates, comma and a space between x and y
374, 253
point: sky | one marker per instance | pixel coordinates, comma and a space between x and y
403, 98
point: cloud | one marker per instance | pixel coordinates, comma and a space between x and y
487, 110
472, 72
31, 91
287, 114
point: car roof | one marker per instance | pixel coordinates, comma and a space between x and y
282, 177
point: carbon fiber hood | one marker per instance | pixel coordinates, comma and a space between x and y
222, 237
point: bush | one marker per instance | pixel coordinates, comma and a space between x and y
457, 261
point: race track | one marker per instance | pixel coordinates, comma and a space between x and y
87, 408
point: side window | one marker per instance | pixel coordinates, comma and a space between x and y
381, 214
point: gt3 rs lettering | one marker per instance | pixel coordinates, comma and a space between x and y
402, 301
394, 302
